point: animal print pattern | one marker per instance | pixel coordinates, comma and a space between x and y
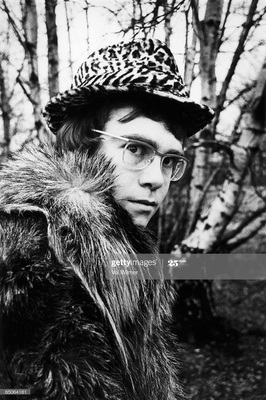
146, 66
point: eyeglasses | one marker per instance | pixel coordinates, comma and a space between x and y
138, 155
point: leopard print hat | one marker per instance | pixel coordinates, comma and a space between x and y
143, 66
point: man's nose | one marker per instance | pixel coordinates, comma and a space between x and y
152, 174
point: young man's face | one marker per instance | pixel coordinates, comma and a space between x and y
140, 192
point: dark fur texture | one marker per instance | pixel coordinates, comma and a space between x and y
68, 332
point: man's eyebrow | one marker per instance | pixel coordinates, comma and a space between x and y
151, 142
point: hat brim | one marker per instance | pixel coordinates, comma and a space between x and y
195, 116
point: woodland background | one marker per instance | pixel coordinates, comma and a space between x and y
220, 205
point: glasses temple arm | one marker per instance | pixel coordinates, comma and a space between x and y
110, 134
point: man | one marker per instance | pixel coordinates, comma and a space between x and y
140, 75
68, 331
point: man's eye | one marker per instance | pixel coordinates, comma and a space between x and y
137, 149
168, 162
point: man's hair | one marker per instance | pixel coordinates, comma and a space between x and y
76, 132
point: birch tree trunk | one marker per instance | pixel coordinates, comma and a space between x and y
53, 58
86, 9
204, 230
212, 224
6, 113
27, 36
208, 33
190, 52
69, 40
30, 28
167, 21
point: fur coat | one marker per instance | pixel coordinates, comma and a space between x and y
67, 332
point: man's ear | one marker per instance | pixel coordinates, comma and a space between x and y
24, 234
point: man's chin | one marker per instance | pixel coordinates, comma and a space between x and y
141, 220
141, 214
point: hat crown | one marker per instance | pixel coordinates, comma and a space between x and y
143, 61
143, 67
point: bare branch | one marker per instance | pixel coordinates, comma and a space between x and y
86, 8
167, 22
21, 38
227, 13
69, 40
148, 24
260, 17
18, 75
236, 132
19, 80
245, 239
248, 220
197, 25
215, 145
133, 20
254, 182
246, 89
141, 19
190, 53
239, 50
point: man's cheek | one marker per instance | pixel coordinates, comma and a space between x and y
163, 194
123, 182
120, 189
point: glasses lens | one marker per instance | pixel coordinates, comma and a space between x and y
137, 155
178, 169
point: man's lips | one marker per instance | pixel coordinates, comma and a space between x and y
144, 202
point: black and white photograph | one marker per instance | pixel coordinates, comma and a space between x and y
133, 200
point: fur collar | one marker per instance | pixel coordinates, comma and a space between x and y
68, 331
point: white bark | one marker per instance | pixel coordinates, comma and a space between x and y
213, 222
190, 54
209, 39
69, 39
208, 34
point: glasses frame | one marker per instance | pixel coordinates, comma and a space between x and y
155, 152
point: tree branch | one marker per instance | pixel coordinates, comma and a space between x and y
246, 238
227, 13
254, 183
158, 20
239, 50
20, 37
230, 235
69, 40
246, 89
198, 26
25, 90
